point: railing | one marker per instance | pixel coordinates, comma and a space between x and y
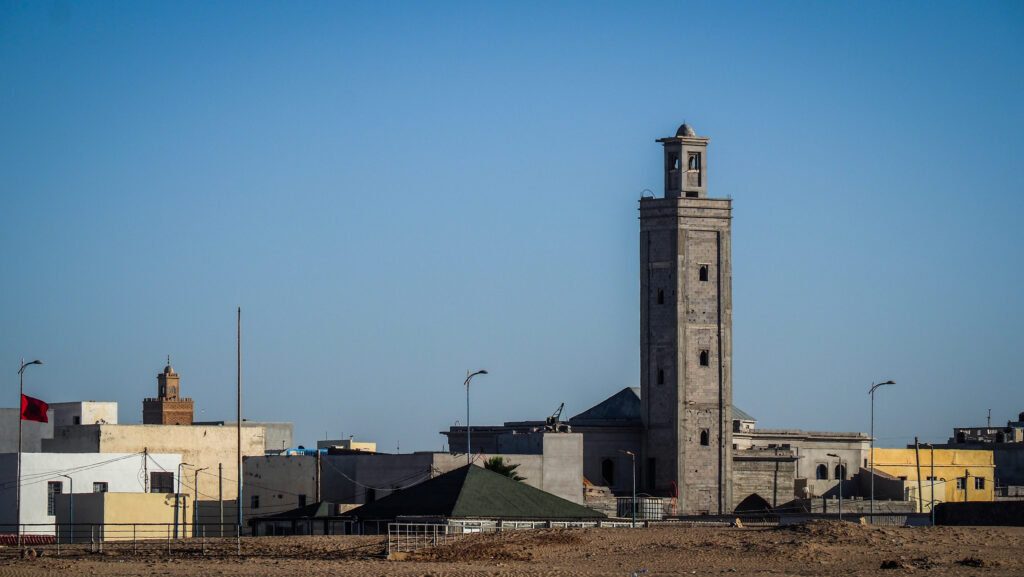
408, 537
139, 538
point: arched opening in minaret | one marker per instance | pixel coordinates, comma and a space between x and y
703, 273
661, 296
705, 437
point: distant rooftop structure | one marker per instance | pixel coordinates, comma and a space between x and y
685, 130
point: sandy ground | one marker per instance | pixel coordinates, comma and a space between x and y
816, 548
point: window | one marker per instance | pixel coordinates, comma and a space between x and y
52, 488
302, 500
691, 194
661, 297
930, 478
840, 472
705, 358
160, 482
960, 483
99, 487
673, 161
608, 472
254, 502
694, 162
979, 483
76, 420
822, 473
703, 273
661, 377
705, 437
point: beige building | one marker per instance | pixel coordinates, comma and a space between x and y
84, 413
202, 447
121, 516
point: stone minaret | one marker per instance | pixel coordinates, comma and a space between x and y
167, 408
686, 334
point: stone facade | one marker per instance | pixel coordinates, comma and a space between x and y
167, 408
763, 476
686, 334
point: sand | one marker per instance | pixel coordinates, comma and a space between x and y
815, 548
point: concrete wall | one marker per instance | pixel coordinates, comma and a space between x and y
124, 514
767, 473
86, 412
601, 444
201, 446
123, 472
32, 432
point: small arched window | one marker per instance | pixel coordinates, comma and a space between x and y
608, 472
705, 437
822, 473
703, 273
694, 163
840, 472
661, 376
705, 358
661, 297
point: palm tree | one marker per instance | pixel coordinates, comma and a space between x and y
498, 465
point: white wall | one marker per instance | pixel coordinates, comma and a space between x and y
88, 413
123, 472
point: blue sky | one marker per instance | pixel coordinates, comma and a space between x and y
396, 192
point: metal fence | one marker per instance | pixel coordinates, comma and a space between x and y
65, 539
408, 537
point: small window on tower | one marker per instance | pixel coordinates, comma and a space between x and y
705, 358
673, 161
661, 297
661, 376
691, 194
694, 163
705, 437
703, 273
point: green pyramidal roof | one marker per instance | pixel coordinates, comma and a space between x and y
474, 492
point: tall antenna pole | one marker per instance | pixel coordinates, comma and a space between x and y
239, 528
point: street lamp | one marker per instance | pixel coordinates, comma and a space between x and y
177, 498
632, 456
842, 474
71, 508
21, 398
872, 441
469, 449
930, 446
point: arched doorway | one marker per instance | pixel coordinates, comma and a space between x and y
754, 503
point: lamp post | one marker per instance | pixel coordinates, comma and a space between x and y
632, 456
195, 499
842, 474
932, 459
469, 449
872, 440
21, 395
71, 507
177, 498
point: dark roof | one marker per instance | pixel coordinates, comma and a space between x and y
685, 130
474, 492
314, 511
624, 406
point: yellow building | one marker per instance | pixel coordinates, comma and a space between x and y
123, 516
959, 470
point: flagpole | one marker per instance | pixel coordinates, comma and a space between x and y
21, 397
21, 394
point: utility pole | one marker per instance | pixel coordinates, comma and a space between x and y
319, 470
917, 459
145, 469
238, 501
220, 495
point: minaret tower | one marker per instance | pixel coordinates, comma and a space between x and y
686, 334
167, 408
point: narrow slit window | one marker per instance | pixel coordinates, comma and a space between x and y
705, 358
694, 163
254, 502
661, 376
661, 297
705, 437
703, 273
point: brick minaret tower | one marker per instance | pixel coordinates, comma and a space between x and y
167, 408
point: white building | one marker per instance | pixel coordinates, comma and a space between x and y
42, 476
84, 413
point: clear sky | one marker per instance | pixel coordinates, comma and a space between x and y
397, 192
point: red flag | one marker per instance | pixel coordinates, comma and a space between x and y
33, 409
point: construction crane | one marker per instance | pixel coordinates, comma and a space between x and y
553, 419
